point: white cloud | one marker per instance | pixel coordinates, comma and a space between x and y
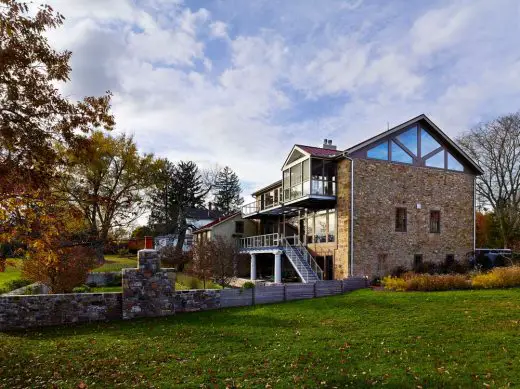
288, 74
219, 29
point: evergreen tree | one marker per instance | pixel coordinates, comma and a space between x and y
164, 212
227, 191
190, 191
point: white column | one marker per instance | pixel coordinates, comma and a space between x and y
278, 267
253, 267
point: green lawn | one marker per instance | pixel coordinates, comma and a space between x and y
362, 339
116, 263
11, 272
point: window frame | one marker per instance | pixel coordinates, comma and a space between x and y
237, 223
435, 225
398, 219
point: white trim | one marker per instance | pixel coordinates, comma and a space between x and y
295, 147
351, 229
474, 214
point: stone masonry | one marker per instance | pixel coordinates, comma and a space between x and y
380, 187
148, 290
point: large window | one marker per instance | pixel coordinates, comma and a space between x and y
435, 222
323, 177
428, 143
400, 220
399, 155
379, 152
321, 226
409, 139
239, 227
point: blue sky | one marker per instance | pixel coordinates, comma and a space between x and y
239, 82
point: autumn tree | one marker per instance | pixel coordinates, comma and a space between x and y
34, 117
495, 146
106, 181
202, 266
227, 191
223, 260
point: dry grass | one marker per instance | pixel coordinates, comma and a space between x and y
500, 277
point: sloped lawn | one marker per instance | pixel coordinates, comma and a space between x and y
362, 339
12, 272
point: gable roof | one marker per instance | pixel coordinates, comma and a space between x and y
222, 219
268, 187
416, 119
203, 213
320, 151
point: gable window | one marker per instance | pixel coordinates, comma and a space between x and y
435, 222
428, 143
409, 139
453, 164
400, 219
399, 155
379, 152
437, 160
239, 227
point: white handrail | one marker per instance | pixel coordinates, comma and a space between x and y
307, 256
260, 241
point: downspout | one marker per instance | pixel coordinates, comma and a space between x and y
351, 228
474, 214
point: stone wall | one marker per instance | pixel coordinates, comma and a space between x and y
380, 187
196, 300
103, 279
17, 312
148, 291
342, 252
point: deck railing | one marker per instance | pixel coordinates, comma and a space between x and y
260, 241
294, 241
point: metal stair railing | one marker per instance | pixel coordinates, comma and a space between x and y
305, 264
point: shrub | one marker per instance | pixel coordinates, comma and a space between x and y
424, 267
426, 282
81, 289
116, 281
248, 285
62, 270
500, 277
394, 283
398, 271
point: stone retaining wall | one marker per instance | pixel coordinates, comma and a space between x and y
18, 312
149, 291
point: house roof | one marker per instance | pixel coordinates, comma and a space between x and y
320, 151
268, 187
222, 219
204, 213
439, 132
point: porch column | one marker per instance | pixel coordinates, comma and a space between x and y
278, 267
253, 267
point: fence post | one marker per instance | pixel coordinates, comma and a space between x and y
284, 292
253, 293
314, 290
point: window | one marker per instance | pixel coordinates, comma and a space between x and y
435, 222
450, 259
400, 219
428, 143
310, 228
379, 152
453, 164
437, 160
320, 224
399, 155
239, 227
331, 237
417, 261
286, 184
409, 139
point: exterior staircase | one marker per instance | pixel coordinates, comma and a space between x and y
302, 261
300, 258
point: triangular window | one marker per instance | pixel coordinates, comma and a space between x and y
379, 152
453, 164
409, 139
296, 154
428, 143
399, 155
436, 160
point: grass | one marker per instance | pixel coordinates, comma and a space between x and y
189, 282
362, 339
116, 263
11, 272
